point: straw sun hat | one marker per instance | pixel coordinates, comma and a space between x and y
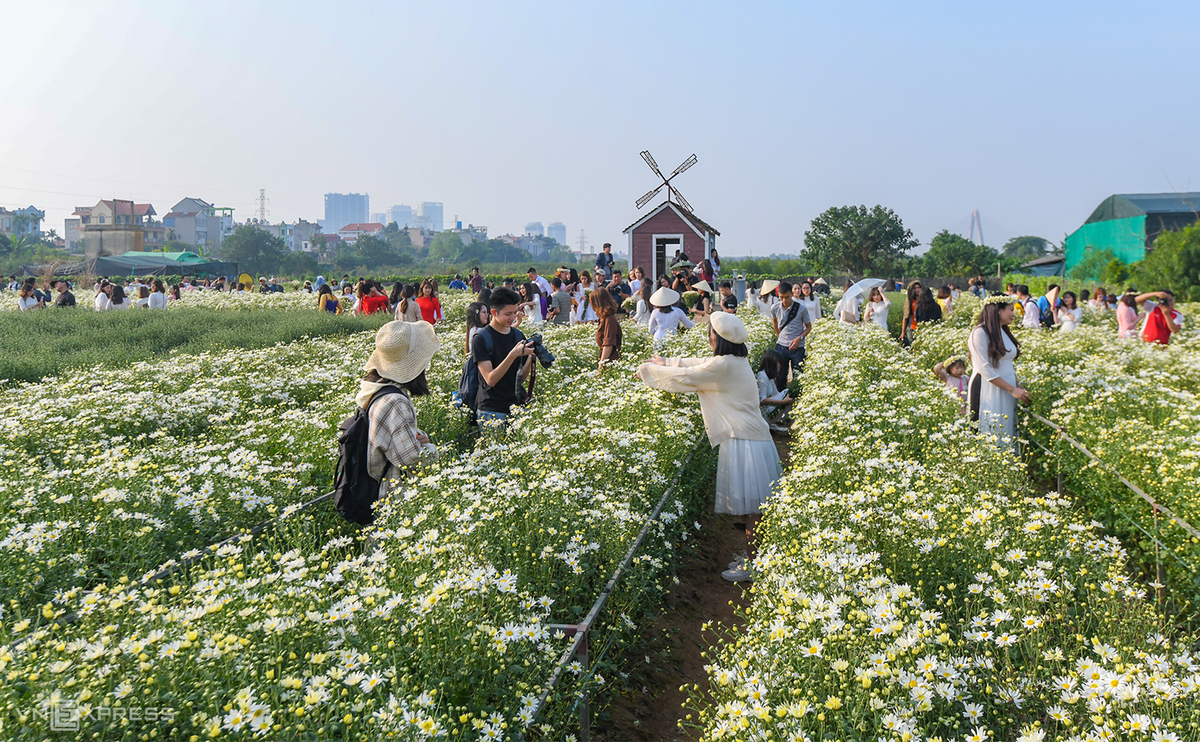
664, 297
403, 350
768, 286
702, 286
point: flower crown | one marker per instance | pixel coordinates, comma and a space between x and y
1001, 299
960, 358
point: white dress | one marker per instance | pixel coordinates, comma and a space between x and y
642, 315
997, 408
812, 306
158, 301
665, 324
1070, 318
584, 312
102, 301
879, 312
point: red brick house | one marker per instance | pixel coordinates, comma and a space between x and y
668, 227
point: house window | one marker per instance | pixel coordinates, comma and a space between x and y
101, 218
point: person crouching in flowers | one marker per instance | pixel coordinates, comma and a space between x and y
403, 351
952, 372
748, 463
994, 389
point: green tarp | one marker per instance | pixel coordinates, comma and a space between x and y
1125, 237
158, 264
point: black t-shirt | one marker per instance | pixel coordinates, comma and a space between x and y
503, 396
729, 302
65, 299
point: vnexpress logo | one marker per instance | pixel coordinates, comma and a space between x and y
63, 715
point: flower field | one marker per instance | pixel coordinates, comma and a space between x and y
912, 586
1136, 407
433, 624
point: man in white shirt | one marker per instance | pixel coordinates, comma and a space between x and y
540, 281
1033, 315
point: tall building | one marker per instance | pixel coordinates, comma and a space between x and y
557, 231
378, 216
346, 208
535, 229
402, 215
429, 215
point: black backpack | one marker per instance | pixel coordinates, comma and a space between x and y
354, 489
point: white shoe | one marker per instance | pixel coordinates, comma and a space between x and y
737, 575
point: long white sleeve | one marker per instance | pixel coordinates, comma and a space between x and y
978, 346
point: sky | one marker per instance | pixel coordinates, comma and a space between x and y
1032, 113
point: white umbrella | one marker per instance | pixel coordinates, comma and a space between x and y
862, 288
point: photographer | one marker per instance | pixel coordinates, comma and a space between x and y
500, 352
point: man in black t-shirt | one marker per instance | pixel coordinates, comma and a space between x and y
499, 351
728, 300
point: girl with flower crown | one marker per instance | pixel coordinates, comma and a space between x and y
952, 372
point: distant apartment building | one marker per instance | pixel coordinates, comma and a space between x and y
346, 208
402, 215
304, 233
19, 222
199, 223
470, 233
351, 232
557, 231
115, 227
429, 215
535, 229
379, 216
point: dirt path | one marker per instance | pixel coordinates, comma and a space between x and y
649, 710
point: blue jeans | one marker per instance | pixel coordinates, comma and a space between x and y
491, 421
795, 357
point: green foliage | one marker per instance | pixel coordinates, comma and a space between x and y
5, 244
955, 255
767, 266
54, 341
446, 247
857, 241
254, 250
1173, 264
1025, 248
298, 264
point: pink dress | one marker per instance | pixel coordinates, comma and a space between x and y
959, 387
1126, 321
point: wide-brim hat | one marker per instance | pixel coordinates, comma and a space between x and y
403, 350
664, 297
729, 327
768, 286
821, 281
702, 286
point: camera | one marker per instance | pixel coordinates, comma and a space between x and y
544, 356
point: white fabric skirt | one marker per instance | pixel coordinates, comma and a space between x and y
746, 474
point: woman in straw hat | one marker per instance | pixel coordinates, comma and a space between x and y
704, 304
666, 318
403, 351
748, 463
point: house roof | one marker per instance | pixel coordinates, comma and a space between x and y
122, 207
180, 213
330, 238
1126, 205
1044, 260
362, 227
702, 227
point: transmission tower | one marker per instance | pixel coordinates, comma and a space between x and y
262, 205
582, 244
976, 222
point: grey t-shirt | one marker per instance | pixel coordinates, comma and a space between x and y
561, 301
791, 330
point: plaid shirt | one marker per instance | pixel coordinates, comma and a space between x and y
393, 437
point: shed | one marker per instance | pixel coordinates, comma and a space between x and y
1129, 223
1048, 265
668, 227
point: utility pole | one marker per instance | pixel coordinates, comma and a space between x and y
262, 205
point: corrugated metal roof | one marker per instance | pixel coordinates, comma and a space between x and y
1126, 205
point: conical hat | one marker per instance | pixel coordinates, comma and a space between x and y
664, 297
768, 286
702, 286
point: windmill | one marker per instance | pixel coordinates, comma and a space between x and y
673, 193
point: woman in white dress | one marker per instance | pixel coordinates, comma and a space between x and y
809, 301
1069, 314
878, 308
666, 317
995, 390
103, 296
583, 307
118, 299
642, 315
747, 463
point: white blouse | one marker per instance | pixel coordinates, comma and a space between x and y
102, 301
664, 324
123, 305
158, 301
812, 306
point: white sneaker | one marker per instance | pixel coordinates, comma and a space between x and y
737, 575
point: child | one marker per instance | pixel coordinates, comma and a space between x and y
772, 389
953, 372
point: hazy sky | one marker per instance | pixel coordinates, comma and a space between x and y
515, 112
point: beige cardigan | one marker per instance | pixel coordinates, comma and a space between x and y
728, 394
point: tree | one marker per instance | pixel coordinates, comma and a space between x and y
254, 250
375, 252
560, 254
1173, 264
954, 255
857, 241
391, 228
298, 264
6, 246
446, 246
1093, 266
1025, 248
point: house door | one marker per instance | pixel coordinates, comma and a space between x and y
665, 246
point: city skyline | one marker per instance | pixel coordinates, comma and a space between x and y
931, 110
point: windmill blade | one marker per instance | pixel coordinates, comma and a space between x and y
649, 158
644, 199
679, 199
686, 164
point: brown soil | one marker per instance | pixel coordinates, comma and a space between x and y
649, 708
